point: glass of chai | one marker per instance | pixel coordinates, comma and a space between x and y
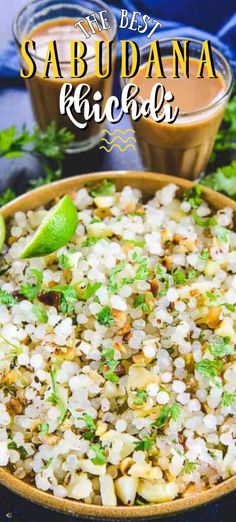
183, 148
46, 20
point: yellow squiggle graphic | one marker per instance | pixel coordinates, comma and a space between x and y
117, 130
131, 138
118, 147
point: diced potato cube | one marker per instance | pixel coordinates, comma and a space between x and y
107, 490
154, 491
126, 489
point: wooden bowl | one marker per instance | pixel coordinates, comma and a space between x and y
148, 182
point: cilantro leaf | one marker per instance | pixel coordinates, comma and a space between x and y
221, 347
32, 291
222, 233
194, 196
7, 299
90, 426
64, 261
106, 188
7, 196
99, 455
68, 297
141, 397
167, 412
204, 222
40, 313
223, 180
87, 290
90, 241
105, 317
228, 399
55, 398
189, 467
112, 284
210, 369
44, 428
110, 365
144, 444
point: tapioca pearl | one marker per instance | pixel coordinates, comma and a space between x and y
178, 386
210, 421
37, 361
201, 395
172, 295
166, 377
121, 425
152, 389
183, 398
179, 362
59, 491
226, 439
149, 351
163, 397
194, 405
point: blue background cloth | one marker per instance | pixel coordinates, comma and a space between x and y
204, 19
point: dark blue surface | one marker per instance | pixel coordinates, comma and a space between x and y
215, 20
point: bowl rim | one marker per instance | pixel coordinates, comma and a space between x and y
74, 507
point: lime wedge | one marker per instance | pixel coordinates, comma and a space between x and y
2, 231
56, 229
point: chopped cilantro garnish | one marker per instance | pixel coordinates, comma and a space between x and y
212, 297
167, 412
223, 234
110, 364
204, 222
204, 254
87, 290
210, 369
105, 317
141, 301
189, 467
90, 426
55, 398
194, 196
22, 451
32, 291
40, 313
7, 299
142, 271
112, 284
141, 397
179, 276
144, 444
99, 455
229, 306
134, 242
90, 241
221, 347
106, 188
44, 428
228, 399
64, 261
68, 297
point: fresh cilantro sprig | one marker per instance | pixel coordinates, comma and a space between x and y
167, 412
104, 317
141, 397
55, 398
31, 291
49, 147
7, 299
90, 426
105, 188
99, 455
210, 369
113, 285
145, 444
109, 365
